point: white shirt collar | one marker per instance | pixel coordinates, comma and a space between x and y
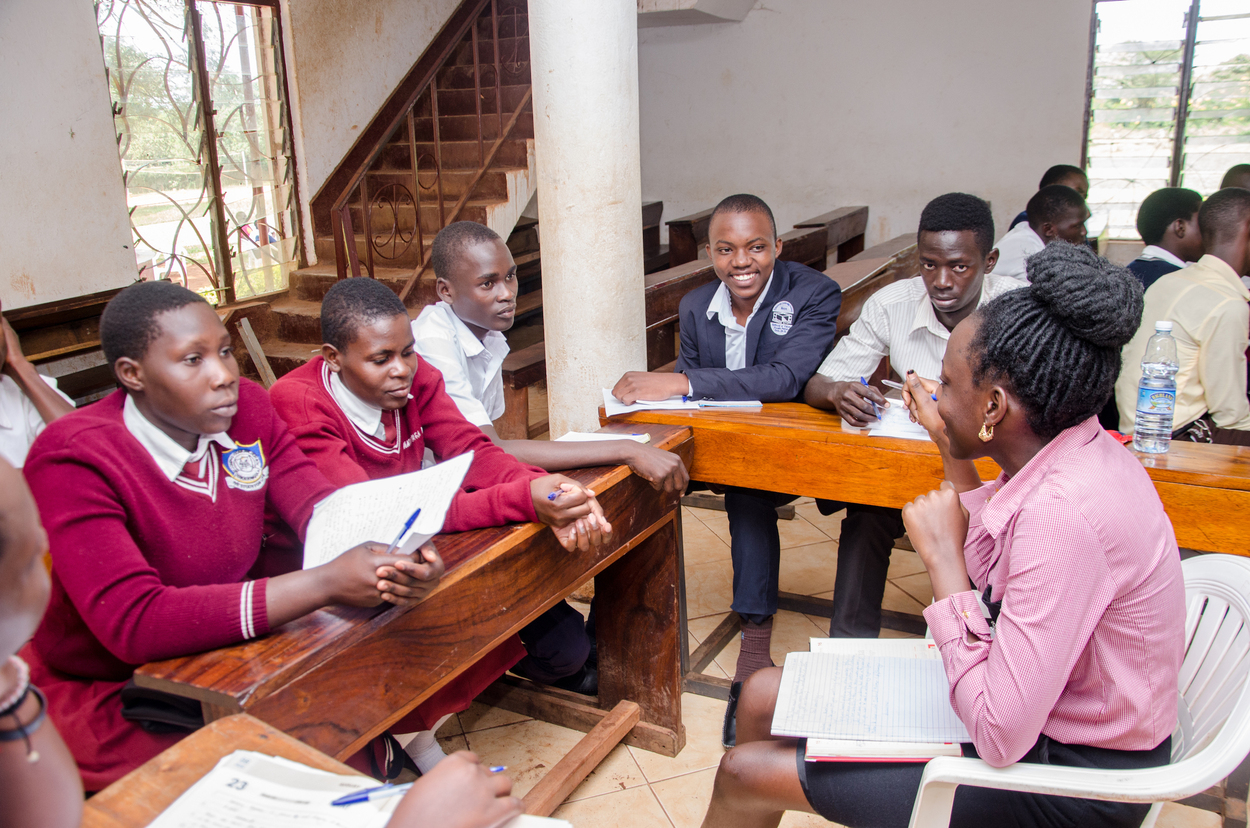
722, 304
1156, 252
364, 416
468, 340
926, 315
170, 457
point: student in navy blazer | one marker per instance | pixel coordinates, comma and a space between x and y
758, 333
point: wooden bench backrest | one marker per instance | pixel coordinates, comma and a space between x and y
805, 245
686, 235
844, 227
862, 277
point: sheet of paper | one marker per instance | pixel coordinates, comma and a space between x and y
595, 437
828, 695
251, 790
377, 510
824, 749
896, 422
612, 406
891, 647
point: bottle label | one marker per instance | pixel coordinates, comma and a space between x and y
1156, 401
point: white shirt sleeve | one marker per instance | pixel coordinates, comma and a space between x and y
447, 356
859, 352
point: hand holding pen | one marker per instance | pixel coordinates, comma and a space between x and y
412, 578
571, 510
459, 792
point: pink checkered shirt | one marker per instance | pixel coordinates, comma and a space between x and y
1091, 635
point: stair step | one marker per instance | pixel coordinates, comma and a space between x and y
461, 77
457, 154
510, 25
299, 320
493, 184
284, 357
312, 283
512, 50
464, 127
403, 215
463, 101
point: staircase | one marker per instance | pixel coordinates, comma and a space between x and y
454, 142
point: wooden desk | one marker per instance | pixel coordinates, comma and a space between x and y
141, 795
1204, 488
338, 677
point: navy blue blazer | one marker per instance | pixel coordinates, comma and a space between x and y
787, 339
1148, 271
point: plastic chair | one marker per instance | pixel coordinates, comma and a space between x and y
1212, 736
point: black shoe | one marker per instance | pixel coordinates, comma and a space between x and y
584, 681
729, 730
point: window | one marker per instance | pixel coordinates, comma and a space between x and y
1170, 101
199, 103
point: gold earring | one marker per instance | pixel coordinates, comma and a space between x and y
987, 432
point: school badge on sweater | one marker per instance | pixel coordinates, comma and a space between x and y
245, 467
783, 318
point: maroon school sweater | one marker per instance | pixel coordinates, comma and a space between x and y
146, 569
495, 491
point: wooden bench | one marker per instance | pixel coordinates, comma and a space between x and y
888, 248
336, 678
687, 236
845, 229
860, 278
791, 447
64, 328
805, 245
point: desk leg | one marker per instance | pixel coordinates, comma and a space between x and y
640, 625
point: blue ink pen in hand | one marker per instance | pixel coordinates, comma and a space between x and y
407, 525
386, 791
876, 411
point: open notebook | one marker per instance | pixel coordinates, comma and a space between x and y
868, 699
252, 790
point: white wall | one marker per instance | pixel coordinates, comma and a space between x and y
816, 104
344, 59
64, 230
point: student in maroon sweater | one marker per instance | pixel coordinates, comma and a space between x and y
370, 408
154, 501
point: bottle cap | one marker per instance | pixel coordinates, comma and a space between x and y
1163, 326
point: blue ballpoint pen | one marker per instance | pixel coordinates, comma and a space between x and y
407, 525
386, 791
864, 382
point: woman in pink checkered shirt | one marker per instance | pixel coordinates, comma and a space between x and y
1059, 602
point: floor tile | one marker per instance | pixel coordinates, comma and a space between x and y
791, 633
702, 515
918, 586
701, 628
685, 798
481, 717
809, 569
451, 744
632, 808
799, 532
700, 544
1183, 816
528, 749
718, 522
904, 562
831, 525
617, 772
703, 718
799, 819
709, 588
899, 601
451, 727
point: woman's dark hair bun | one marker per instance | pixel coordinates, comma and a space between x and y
1096, 300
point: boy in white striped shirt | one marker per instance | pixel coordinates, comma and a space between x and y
908, 322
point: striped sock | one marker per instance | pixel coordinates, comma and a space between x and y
756, 640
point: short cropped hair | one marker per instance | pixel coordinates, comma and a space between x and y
131, 319
1056, 343
353, 302
1224, 214
453, 240
960, 211
1058, 173
1161, 208
1238, 175
744, 203
1051, 202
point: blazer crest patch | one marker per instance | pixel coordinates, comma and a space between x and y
245, 467
783, 318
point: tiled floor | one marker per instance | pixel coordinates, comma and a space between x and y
636, 789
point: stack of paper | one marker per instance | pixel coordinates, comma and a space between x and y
598, 436
896, 422
866, 699
376, 510
612, 406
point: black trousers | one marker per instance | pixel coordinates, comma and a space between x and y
755, 547
557, 644
882, 794
867, 538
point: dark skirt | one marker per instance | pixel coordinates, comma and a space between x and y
881, 794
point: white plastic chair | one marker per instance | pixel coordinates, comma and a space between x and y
1211, 738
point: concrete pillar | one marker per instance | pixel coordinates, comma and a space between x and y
584, 65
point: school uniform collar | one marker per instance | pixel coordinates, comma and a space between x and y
495, 342
721, 305
1217, 274
1155, 252
365, 417
169, 457
1011, 492
926, 316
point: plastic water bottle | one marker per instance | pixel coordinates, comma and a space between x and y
1156, 393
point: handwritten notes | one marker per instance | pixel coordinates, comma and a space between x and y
376, 510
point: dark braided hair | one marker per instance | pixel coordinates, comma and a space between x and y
132, 319
1056, 343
